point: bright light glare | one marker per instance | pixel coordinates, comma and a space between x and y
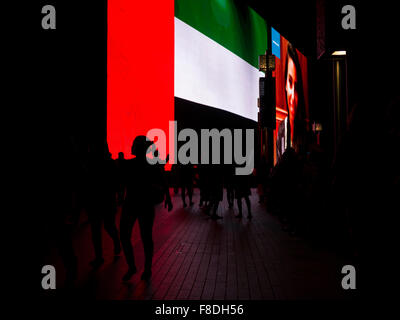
339, 53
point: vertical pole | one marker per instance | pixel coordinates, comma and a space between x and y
334, 109
347, 93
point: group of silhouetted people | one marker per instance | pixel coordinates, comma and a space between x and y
295, 189
99, 184
211, 181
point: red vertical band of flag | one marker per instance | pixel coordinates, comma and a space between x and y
140, 70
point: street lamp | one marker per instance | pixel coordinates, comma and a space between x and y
339, 53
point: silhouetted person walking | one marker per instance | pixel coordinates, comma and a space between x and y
204, 185
216, 189
101, 204
243, 190
145, 187
186, 176
175, 178
229, 184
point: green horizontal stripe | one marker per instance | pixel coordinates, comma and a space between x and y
235, 26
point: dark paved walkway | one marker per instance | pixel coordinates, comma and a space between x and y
198, 258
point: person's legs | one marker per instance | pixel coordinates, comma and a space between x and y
111, 229
246, 198
95, 225
126, 227
146, 221
201, 197
190, 193
214, 207
230, 196
239, 203
183, 195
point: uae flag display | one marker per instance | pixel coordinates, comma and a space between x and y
180, 60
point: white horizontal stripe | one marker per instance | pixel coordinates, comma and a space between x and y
208, 73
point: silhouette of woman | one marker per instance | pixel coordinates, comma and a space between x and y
143, 182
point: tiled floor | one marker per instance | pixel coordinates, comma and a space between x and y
198, 258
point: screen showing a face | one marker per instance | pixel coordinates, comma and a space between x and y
291, 99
